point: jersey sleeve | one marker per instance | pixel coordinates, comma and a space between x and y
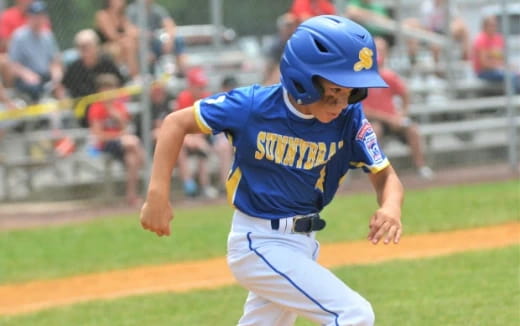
366, 152
224, 111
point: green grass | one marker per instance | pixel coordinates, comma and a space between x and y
470, 289
199, 233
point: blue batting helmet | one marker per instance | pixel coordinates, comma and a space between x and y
334, 48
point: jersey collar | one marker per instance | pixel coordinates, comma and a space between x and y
293, 109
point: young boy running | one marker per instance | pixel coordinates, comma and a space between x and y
294, 142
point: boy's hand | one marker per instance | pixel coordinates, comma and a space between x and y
156, 217
385, 221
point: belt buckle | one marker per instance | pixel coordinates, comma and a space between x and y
295, 219
300, 217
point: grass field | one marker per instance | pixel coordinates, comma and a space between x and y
470, 289
199, 233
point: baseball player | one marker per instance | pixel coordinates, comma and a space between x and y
294, 143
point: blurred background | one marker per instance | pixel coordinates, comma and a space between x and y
85, 85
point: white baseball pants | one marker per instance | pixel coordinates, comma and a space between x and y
284, 280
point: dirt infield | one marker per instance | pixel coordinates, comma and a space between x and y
209, 274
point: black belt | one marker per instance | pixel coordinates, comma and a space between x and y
303, 224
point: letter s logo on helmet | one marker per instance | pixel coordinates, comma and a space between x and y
334, 48
365, 60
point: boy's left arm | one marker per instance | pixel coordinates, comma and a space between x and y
386, 221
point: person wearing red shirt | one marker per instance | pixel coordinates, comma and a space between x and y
195, 144
488, 54
108, 121
386, 118
304, 9
10, 19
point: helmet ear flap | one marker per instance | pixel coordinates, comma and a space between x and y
318, 86
357, 95
298, 85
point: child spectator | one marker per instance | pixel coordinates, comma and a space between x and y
488, 54
196, 144
160, 107
385, 118
108, 122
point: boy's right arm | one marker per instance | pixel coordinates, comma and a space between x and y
156, 212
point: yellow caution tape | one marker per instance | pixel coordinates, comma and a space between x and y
80, 105
35, 110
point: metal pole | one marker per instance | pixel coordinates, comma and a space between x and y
448, 50
400, 46
146, 122
216, 20
508, 84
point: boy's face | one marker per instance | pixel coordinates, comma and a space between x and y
333, 101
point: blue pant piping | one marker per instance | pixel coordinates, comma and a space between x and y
290, 281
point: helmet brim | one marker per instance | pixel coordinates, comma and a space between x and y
362, 79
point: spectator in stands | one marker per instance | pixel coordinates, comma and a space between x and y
118, 36
34, 56
365, 12
80, 75
488, 54
160, 107
286, 25
304, 9
433, 19
10, 19
196, 144
108, 122
380, 109
162, 32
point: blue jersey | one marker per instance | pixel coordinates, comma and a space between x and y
286, 163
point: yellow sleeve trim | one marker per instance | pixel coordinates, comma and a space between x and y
203, 125
374, 168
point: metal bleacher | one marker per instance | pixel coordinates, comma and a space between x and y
469, 117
